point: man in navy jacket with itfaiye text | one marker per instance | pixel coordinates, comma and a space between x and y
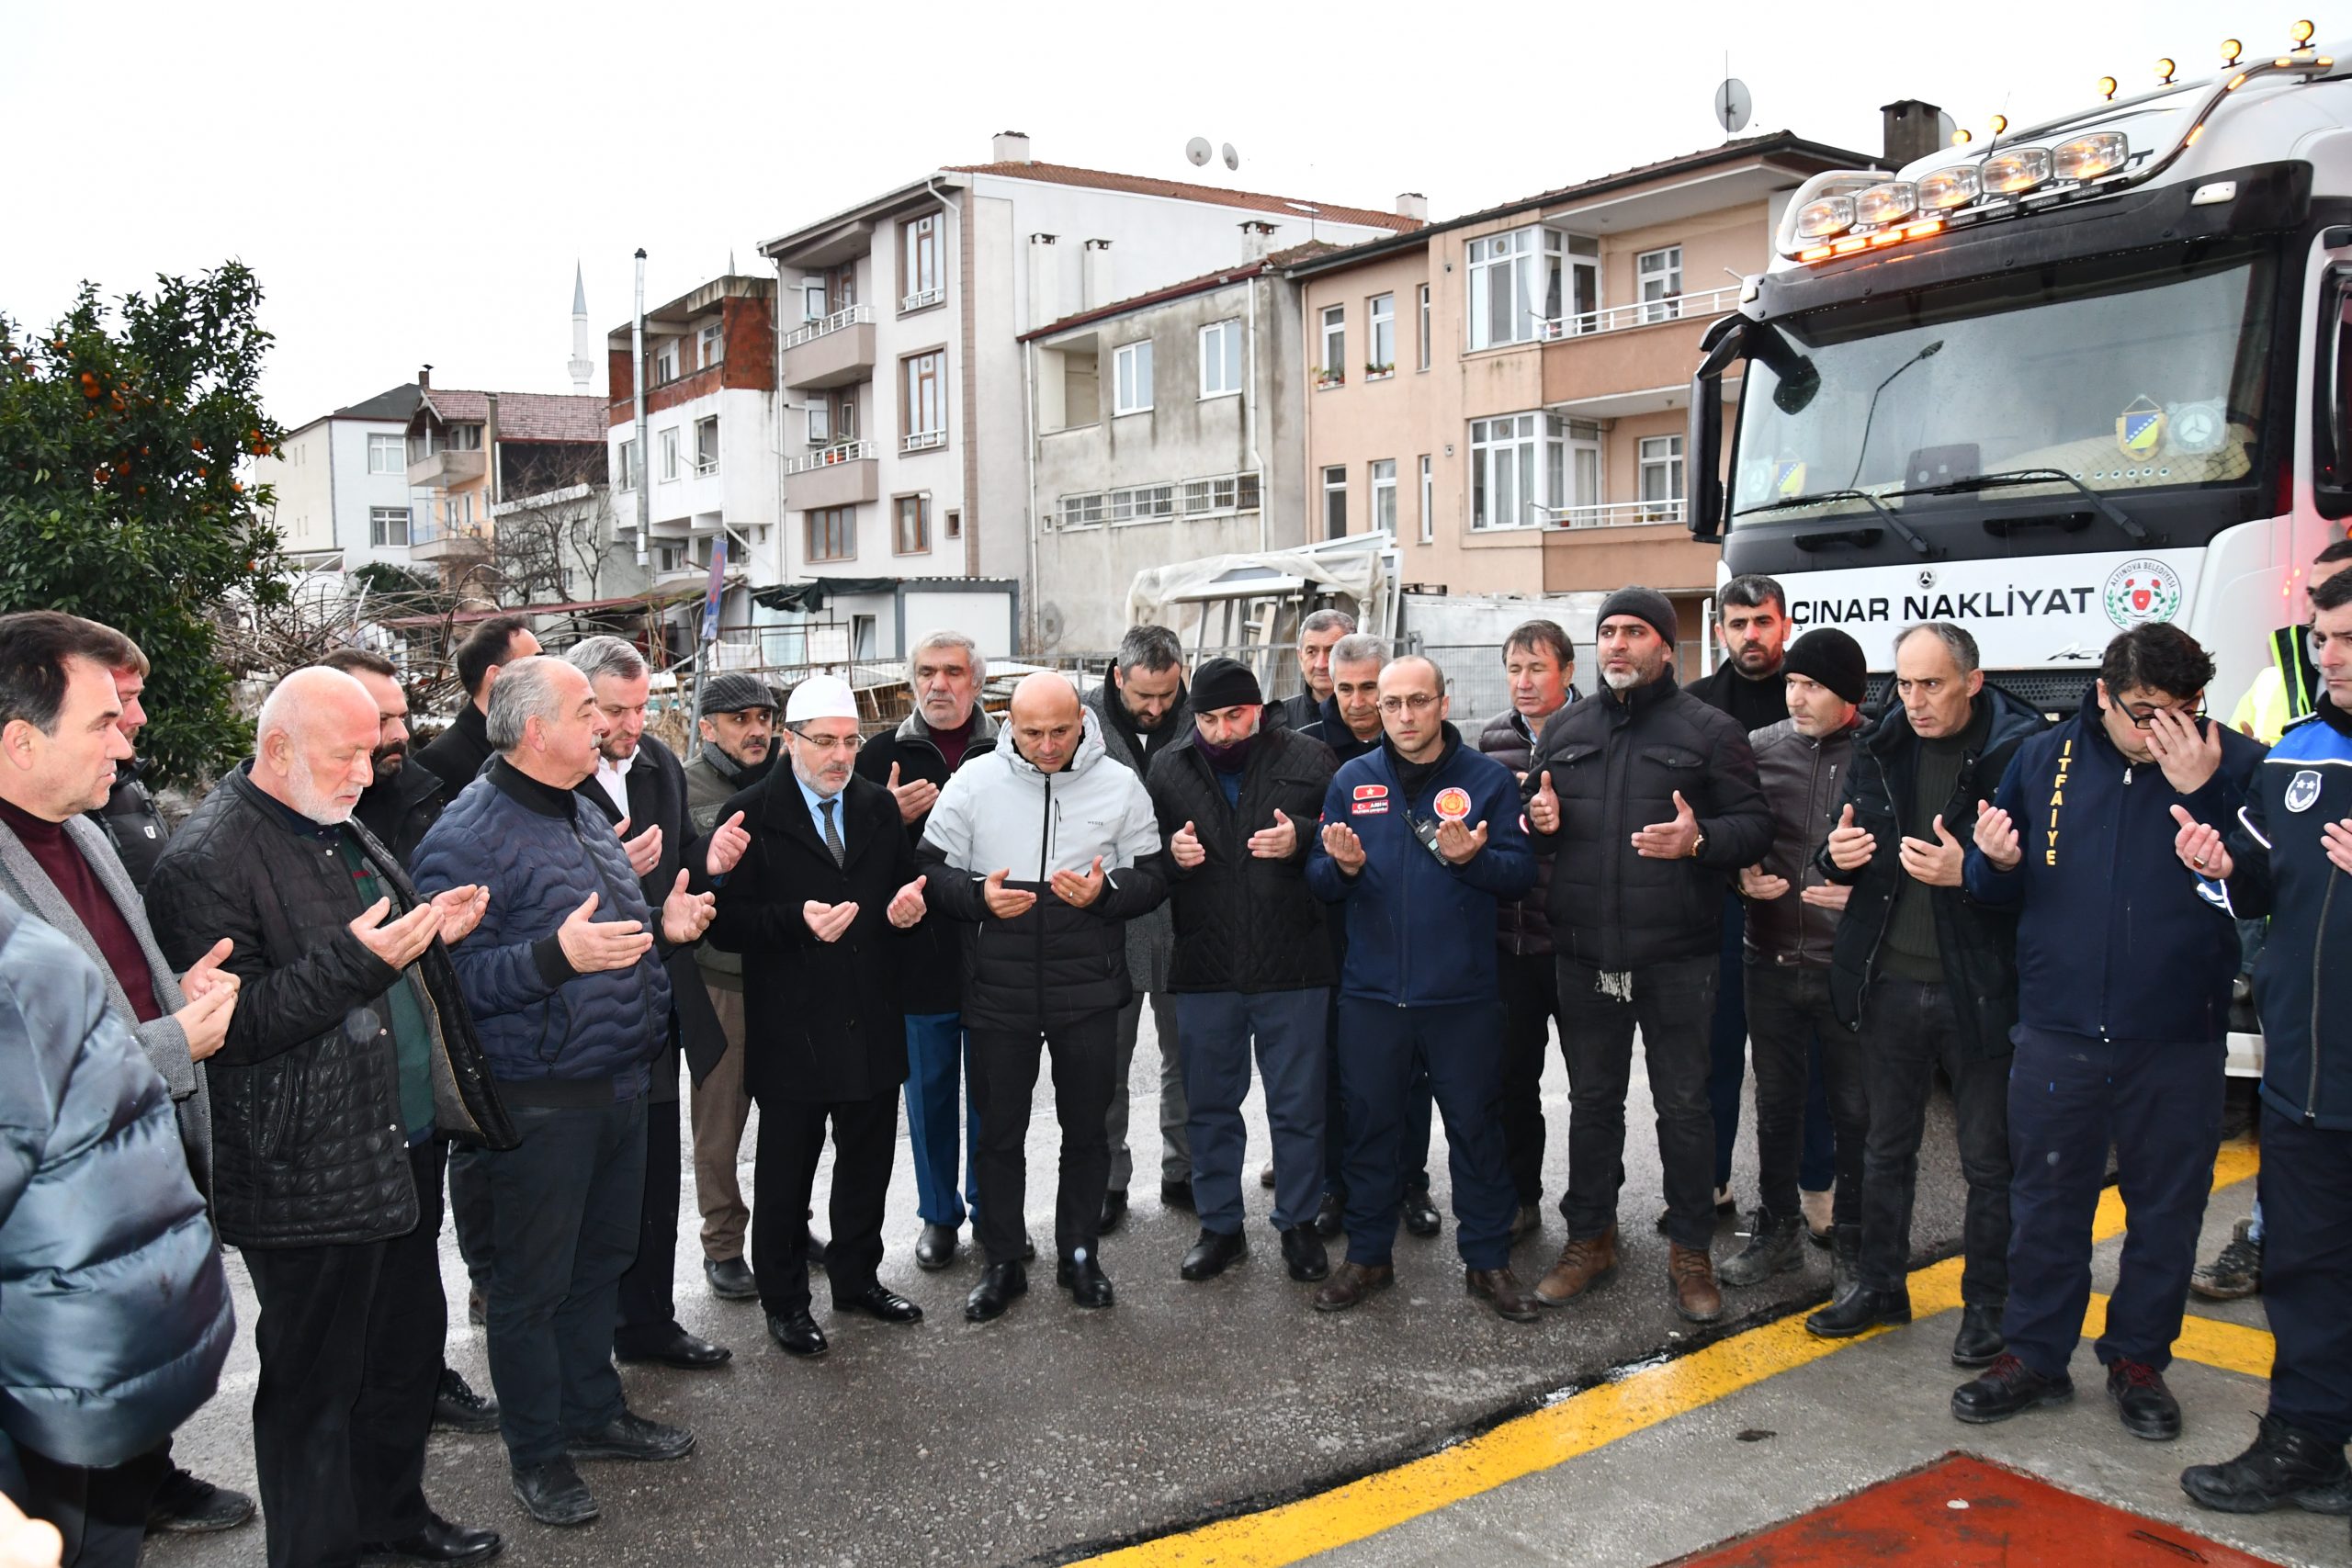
1419, 839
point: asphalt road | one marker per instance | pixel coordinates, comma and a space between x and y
1057, 1432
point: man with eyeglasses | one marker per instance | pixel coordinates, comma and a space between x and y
1647, 799
1420, 840
2123, 1004
2288, 856
1928, 974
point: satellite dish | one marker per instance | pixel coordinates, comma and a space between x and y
1232, 159
1732, 105
1197, 149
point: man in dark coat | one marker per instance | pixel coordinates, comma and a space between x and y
640, 788
405, 796
462, 750
818, 905
1237, 806
1318, 632
1928, 974
132, 824
351, 1048
947, 731
1647, 799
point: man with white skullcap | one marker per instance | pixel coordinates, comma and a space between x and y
819, 906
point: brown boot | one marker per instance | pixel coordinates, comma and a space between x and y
1691, 1271
1584, 1263
1350, 1282
1501, 1288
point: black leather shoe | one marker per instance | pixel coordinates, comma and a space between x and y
1176, 1195
1114, 1208
1215, 1252
1082, 1277
438, 1541
1266, 1174
797, 1334
731, 1278
993, 1297
1303, 1254
2147, 1406
688, 1352
1500, 1289
880, 1301
2006, 1388
1419, 1215
2285, 1465
1858, 1312
553, 1493
1979, 1342
935, 1249
1526, 1222
631, 1435
184, 1505
1331, 1215
458, 1408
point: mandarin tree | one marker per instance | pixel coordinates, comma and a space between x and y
124, 431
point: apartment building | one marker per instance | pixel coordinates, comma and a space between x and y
710, 473
1507, 394
469, 454
906, 447
343, 499
1163, 427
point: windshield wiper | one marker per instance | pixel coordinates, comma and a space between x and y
2108, 509
1908, 535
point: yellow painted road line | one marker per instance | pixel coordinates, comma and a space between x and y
1596, 1417
2208, 1341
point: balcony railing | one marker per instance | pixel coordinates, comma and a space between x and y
849, 316
1645, 313
920, 297
828, 456
923, 440
1614, 514
706, 466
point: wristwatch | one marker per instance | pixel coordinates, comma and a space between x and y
1698, 843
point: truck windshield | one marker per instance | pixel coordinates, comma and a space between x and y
2127, 373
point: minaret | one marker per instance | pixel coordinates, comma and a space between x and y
582, 368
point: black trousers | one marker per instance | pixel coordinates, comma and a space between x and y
791, 1136
1789, 1021
101, 1515
1908, 1030
1005, 1077
350, 1340
2307, 1272
1672, 1003
469, 1211
648, 1308
1531, 993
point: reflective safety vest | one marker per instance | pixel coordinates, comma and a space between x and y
2282, 693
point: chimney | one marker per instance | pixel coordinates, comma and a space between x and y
1257, 238
1412, 204
1095, 280
424, 378
1913, 131
1044, 281
490, 446
1010, 147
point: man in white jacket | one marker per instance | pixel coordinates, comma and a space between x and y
1043, 849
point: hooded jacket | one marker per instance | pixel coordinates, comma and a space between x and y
930, 959
1978, 942
1151, 938
2302, 982
1802, 778
1055, 962
2114, 939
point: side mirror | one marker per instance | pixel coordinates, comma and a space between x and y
2331, 398
1702, 479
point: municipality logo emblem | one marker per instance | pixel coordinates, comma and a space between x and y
2140, 590
2303, 790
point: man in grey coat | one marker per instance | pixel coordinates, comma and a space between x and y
1141, 708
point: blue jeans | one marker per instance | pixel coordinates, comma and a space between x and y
1218, 1028
566, 1200
1458, 1047
935, 1067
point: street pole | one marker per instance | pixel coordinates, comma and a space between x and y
637, 385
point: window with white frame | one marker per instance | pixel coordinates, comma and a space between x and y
1223, 492
1334, 365
1131, 366
919, 274
388, 526
387, 455
1220, 358
712, 348
1429, 502
1380, 315
820, 422
925, 405
1424, 361
1383, 496
667, 445
1518, 468
665, 364
1661, 475
1335, 501
1082, 510
706, 447
813, 307
1514, 283
629, 465
1659, 274
1142, 504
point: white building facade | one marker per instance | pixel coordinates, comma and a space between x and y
343, 499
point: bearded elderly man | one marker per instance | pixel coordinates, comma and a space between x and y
351, 1048
573, 1009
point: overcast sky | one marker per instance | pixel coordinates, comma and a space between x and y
413, 183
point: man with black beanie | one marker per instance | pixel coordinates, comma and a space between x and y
1647, 799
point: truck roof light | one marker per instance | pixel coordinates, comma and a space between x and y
2018, 169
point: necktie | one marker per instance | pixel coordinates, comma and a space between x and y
833, 834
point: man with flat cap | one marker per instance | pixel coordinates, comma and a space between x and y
818, 905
